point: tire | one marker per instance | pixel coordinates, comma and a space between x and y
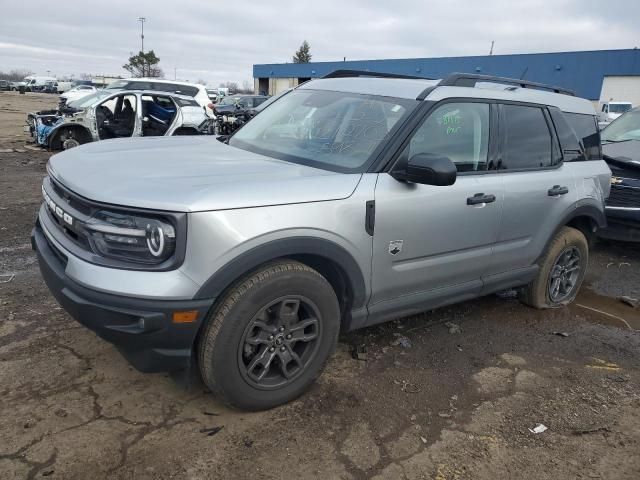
570, 244
245, 336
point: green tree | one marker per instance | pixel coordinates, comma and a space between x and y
144, 65
302, 55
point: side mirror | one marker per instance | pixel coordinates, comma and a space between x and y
428, 169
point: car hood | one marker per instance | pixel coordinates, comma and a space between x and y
190, 174
627, 151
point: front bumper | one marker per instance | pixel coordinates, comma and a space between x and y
623, 211
622, 224
141, 329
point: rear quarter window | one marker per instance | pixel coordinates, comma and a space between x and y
186, 90
183, 102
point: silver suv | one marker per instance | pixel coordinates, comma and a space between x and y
350, 201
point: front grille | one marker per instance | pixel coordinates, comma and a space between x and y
624, 197
72, 213
56, 251
70, 198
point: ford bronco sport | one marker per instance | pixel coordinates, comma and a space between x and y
352, 200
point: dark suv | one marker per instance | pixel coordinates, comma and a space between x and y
233, 103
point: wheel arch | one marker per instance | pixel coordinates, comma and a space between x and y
54, 135
585, 218
588, 219
185, 131
331, 260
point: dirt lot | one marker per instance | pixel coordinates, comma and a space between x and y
452, 403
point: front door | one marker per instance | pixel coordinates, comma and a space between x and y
430, 242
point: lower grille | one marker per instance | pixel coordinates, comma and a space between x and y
56, 251
624, 197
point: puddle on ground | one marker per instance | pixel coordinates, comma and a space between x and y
606, 310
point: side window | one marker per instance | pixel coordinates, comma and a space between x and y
587, 131
459, 131
527, 139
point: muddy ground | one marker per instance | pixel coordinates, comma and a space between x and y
456, 403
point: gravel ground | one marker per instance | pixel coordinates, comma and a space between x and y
455, 400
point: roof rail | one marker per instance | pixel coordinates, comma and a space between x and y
366, 73
470, 80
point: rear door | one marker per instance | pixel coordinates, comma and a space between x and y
434, 242
539, 188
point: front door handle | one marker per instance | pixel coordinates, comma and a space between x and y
479, 198
557, 190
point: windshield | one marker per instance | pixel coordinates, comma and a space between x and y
626, 127
229, 101
332, 130
88, 100
117, 85
619, 107
270, 100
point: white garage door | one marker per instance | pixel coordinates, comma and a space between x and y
281, 84
621, 89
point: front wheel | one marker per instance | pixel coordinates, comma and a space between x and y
562, 269
270, 336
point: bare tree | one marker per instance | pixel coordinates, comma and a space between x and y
15, 75
232, 86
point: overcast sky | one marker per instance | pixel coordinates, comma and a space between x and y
220, 41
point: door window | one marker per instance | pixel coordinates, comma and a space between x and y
527, 139
459, 131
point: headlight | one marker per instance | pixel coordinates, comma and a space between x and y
130, 237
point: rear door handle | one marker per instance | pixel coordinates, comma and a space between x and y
479, 198
557, 190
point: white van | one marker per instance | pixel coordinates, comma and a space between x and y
64, 86
35, 83
612, 110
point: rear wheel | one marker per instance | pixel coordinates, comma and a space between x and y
270, 336
562, 269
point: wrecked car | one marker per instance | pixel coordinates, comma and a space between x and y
108, 114
621, 149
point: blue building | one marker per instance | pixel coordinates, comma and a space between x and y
599, 75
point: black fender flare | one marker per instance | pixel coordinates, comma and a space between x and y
283, 248
591, 211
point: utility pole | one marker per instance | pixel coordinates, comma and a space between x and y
142, 20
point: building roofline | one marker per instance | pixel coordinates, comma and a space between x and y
564, 52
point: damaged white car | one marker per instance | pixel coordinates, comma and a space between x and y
108, 114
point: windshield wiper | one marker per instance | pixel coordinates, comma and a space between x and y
618, 141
